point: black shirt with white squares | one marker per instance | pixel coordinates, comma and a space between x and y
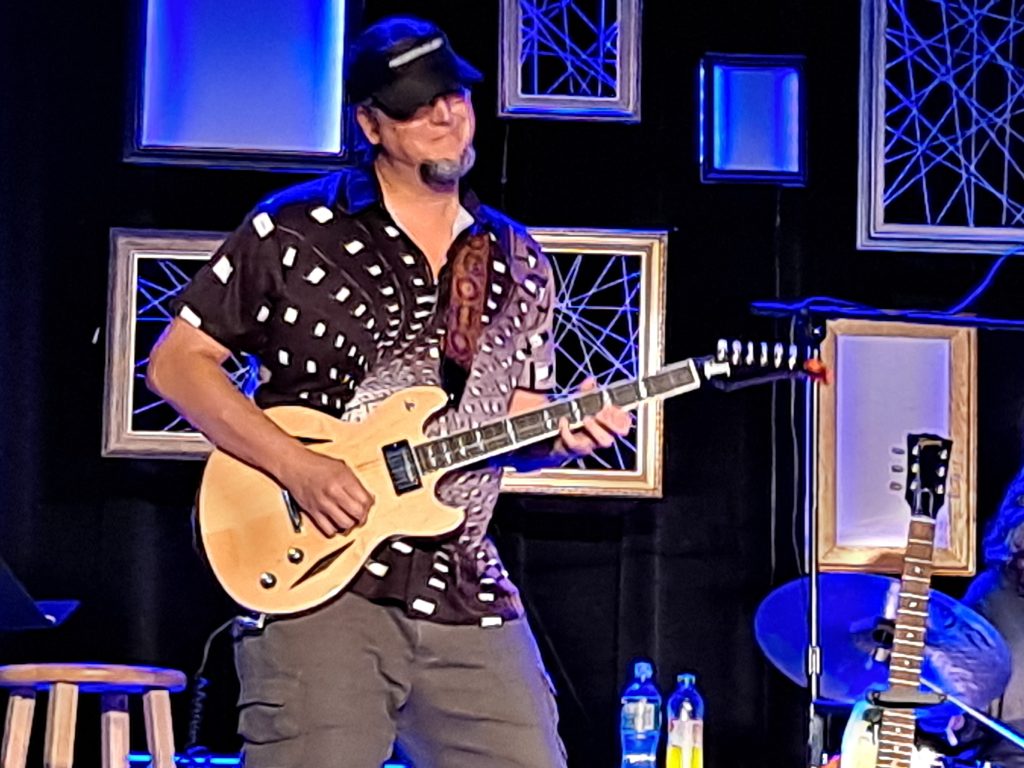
342, 310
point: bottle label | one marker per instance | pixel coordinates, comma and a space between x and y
639, 716
686, 733
685, 744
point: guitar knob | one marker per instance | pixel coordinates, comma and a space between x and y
267, 580
295, 555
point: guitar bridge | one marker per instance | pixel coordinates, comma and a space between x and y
405, 476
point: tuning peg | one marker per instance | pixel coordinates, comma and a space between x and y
915, 468
763, 360
944, 454
941, 472
940, 489
737, 351
722, 351
792, 357
779, 352
750, 353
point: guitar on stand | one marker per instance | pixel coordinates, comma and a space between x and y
881, 729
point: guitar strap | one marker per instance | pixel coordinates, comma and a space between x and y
467, 291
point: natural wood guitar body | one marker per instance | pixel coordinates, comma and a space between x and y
861, 744
250, 536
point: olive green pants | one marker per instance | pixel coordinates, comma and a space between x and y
338, 687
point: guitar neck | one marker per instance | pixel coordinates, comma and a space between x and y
499, 437
896, 732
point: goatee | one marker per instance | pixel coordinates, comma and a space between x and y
447, 172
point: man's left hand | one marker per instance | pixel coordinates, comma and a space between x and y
597, 431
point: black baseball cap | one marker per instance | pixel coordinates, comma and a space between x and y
403, 63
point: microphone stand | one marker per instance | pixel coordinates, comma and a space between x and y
816, 720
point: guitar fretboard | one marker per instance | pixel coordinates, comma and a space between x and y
896, 731
498, 437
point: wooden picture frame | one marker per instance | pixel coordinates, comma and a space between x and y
890, 379
621, 273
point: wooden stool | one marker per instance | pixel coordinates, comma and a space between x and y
113, 682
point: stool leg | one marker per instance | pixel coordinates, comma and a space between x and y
20, 707
159, 731
61, 715
115, 728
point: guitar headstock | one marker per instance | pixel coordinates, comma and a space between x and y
927, 472
737, 364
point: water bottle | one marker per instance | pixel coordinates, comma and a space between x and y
685, 725
640, 724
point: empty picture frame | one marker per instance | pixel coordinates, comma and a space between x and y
609, 325
228, 83
940, 132
890, 379
570, 59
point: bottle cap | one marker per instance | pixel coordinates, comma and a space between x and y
687, 679
643, 670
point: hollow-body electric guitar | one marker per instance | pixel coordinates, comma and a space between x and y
884, 737
271, 559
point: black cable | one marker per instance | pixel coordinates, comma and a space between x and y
504, 168
200, 683
541, 632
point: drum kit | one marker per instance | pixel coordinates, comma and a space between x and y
966, 660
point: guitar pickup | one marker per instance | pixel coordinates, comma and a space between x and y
405, 476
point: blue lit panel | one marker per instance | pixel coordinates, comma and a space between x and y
752, 119
247, 77
889, 386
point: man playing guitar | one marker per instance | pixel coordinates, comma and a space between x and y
348, 289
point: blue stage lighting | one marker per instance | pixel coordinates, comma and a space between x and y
142, 758
239, 82
752, 119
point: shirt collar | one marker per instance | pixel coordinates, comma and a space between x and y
359, 189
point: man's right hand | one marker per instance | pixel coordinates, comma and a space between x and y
327, 491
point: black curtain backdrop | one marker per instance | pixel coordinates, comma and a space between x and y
677, 579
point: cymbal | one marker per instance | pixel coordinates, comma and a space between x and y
964, 655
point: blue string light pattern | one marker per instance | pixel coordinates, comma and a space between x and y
159, 280
596, 329
942, 125
607, 326
570, 59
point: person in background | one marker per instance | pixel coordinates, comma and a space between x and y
998, 594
